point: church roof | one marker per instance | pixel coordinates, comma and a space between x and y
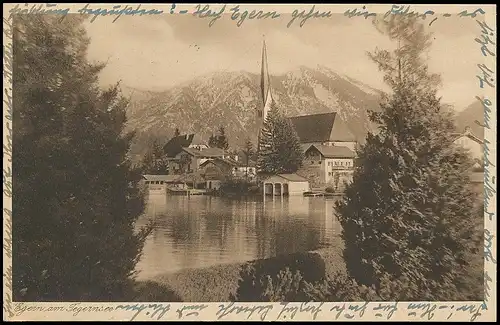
321, 127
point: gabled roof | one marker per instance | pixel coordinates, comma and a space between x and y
164, 178
175, 145
334, 151
292, 177
467, 133
321, 127
220, 162
207, 152
305, 146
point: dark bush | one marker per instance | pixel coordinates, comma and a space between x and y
279, 277
329, 189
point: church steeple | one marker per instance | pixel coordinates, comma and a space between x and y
265, 84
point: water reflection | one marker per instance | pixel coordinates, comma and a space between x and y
202, 231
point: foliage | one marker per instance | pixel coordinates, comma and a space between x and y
278, 278
237, 186
76, 196
336, 180
153, 162
176, 132
279, 146
219, 140
285, 288
329, 189
406, 216
249, 152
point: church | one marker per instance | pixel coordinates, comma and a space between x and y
328, 144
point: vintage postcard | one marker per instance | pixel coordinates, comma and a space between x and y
249, 162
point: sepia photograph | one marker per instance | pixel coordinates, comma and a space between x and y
230, 156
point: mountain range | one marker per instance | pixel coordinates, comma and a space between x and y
230, 99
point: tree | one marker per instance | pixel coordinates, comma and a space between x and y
212, 141
184, 162
279, 145
76, 198
177, 132
248, 152
219, 140
407, 213
222, 139
153, 161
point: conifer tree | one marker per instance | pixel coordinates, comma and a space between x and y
279, 145
248, 151
76, 198
407, 214
222, 139
212, 141
219, 140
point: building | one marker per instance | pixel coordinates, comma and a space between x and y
188, 160
174, 146
217, 170
328, 166
327, 129
160, 183
285, 184
471, 142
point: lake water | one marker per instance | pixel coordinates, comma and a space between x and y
202, 231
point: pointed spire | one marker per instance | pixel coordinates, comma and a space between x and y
267, 97
264, 78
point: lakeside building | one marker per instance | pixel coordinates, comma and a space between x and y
285, 184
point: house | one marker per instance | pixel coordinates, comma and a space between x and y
216, 170
189, 159
327, 129
247, 166
285, 184
327, 165
471, 142
174, 146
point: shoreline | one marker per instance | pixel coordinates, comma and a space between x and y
225, 281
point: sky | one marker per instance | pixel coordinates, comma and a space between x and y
158, 52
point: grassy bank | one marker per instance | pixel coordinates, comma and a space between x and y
237, 281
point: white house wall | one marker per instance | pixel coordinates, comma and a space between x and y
475, 148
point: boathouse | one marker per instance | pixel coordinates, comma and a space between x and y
161, 182
285, 184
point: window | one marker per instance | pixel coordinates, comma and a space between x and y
336, 163
147, 182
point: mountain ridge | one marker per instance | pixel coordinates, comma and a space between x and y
230, 99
